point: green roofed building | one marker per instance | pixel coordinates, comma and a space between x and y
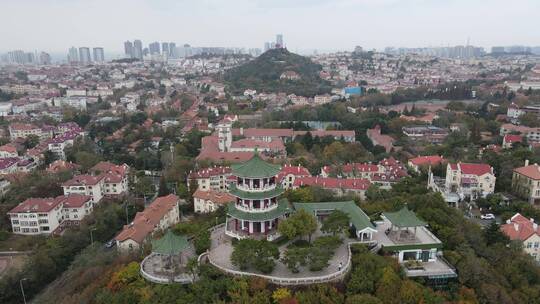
257, 210
170, 244
408, 239
359, 221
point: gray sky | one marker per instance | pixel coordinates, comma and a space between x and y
306, 24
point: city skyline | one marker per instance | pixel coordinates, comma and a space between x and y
305, 24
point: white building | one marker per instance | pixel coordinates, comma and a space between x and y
210, 201
85, 185
36, 216
161, 214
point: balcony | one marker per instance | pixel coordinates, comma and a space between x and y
269, 235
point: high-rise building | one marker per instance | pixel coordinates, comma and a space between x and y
137, 49
84, 55
99, 54
497, 50
73, 55
165, 48
20, 57
128, 49
173, 53
44, 58
279, 41
154, 48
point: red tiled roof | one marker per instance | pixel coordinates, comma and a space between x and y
520, 228
512, 138
10, 148
426, 160
531, 171
214, 196
83, 180
274, 145
474, 169
297, 171
333, 183
36, 205
8, 162
254, 132
73, 200
146, 221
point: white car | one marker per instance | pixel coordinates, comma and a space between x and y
487, 216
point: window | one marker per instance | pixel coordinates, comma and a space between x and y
44, 221
529, 244
16, 229
536, 244
15, 222
45, 228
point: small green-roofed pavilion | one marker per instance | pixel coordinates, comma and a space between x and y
256, 167
404, 218
170, 244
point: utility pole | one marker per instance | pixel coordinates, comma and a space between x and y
92, 236
22, 289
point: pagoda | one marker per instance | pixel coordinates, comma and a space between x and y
257, 210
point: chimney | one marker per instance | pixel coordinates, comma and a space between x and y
508, 222
526, 162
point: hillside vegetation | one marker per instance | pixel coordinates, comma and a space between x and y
263, 74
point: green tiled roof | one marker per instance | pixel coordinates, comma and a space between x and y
358, 218
255, 167
170, 244
404, 218
283, 208
255, 195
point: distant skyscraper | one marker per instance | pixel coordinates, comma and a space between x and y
165, 48
20, 57
99, 54
44, 58
128, 49
154, 48
84, 55
279, 41
137, 49
172, 50
73, 55
266, 46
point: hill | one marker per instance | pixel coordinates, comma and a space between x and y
264, 74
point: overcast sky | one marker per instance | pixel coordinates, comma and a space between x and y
54, 26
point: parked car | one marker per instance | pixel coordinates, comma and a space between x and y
110, 244
487, 216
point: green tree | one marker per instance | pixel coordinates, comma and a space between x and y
388, 288
260, 255
336, 222
363, 298
299, 224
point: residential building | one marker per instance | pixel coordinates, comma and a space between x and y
99, 54
340, 186
115, 178
36, 216
526, 182
214, 178
379, 139
75, 207
429, 134
23, 130
210, 200
161, 214
525, 231
419, 162
84, 55
86, 185
509, 140
464, 180
288, 175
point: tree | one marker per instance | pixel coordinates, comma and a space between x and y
193, 267
493, 234
259, 255
363, 298
143, 186
530, 120
31, 141
163, 188
295, 257
281, 294
336, 222
299, 224
388, 288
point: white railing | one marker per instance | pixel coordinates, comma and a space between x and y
182, 279
252, 189
338, 275
256, 210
